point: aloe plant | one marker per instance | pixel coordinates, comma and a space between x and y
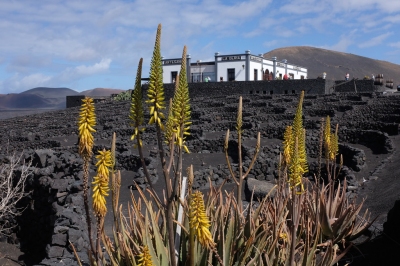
302, 224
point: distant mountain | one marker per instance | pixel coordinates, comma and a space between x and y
100, 92
46, 92
26, 101
335, 64
47, 98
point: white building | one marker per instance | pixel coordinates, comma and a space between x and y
236, 67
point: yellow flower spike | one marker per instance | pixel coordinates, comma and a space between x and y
145, 257
287, 144
170, 125
86, 124
294, 154
155, 92
327, 136
333, 148
181, 106
199, 221
100, 183
296, 170
136, 111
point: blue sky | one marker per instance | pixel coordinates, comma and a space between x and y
98, 43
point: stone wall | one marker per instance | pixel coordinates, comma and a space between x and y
76, 100
354, 86
208, 89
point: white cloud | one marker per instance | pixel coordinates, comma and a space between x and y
66, 40
102, 66
344, 42
395, 44
19, 82
375, 41
269, 44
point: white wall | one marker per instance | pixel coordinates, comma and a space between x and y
297, 71
167, 69
258, 66
237, 65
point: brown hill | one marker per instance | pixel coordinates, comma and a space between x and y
25, 101
47, 98
335, 64
47, 93
101, 92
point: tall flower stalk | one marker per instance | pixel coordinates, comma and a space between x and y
86, 124
100, 192
180, 120
199, 225
156, 103
136, 115
294, 150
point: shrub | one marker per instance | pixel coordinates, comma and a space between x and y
12, 188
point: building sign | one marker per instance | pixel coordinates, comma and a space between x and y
255, 58
280, 64
296, 68
231, 58
172, 62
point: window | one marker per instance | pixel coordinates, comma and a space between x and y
301, 77
286, 92
173, 76
231, 74
210, 76
196, 77
291, 76
255, 74
293, 92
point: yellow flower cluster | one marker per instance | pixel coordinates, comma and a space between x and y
170, 124
86, 124
145, 257
136, 110
296, 170
331, 141
199, 221
181, 107
155, 92
100, 184
287, 144
294, 149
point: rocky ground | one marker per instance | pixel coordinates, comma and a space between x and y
368, 134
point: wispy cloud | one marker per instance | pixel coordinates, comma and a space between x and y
376, 40
395, 44
19, 82
59, 43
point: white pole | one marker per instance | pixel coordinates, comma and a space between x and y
180, 215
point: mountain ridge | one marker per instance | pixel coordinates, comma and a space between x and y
47, 97
335, 64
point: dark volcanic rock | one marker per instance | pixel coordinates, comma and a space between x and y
54, 208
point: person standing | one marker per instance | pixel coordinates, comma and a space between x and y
347, 77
